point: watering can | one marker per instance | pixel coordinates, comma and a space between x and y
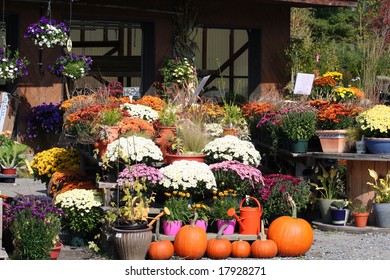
249, 219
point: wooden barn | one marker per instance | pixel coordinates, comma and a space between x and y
238, 42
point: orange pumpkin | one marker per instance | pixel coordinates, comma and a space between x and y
293, 236
241, 249
190, 241
219, 248
263, 247
160, 249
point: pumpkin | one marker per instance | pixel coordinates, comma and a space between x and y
160, 249
293, 236
241, 249
190, 241
263, 247
219, 248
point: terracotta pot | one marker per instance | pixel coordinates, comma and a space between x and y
8, 171
170, 158
332, 141
361, 219
229, 131
55, 252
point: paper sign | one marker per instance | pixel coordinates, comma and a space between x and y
304, 83
131, 91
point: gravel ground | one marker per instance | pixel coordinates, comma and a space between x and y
327, 245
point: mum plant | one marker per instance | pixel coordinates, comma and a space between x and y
47, 32
130, 150
237, 176
45, 163
273, 194
223, 201
44, 119
179, 207
323, 87
35, 223
83, 212
71, 65
135, 126
12, 66
154, 102
375, 122
178, 71
140, 111
188, 176
231, 147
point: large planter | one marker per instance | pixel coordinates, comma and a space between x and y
170, 158
132, 244
324, 205
332, 141
382, 214
361, 219
378, 145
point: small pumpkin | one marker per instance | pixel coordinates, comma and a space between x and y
241, 249
293, 236
218, 247
190, 241
160, 249
263, 247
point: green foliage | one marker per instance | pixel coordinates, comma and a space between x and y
190, 139
222, 203
339, 204
179, 209
332, 182
167, 116
110, 117
12, 154
299, 124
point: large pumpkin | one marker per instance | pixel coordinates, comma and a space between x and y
293, 236
190, 241
218, 247
160, 249
263, 247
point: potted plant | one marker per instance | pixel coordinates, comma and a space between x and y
223, 201
273, 194
339, 212
180, 213
374, 123
333, 120
83, 214
232, 119
381, 207
360, 213
71, 65
140, 111
331, 188
47, 32
188, 176
203, 212
231, 147
12, 66
27, 219
299, 125
232, 174
12, 155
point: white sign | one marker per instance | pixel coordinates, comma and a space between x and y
304, 83
132, 92
3, 108
199, 87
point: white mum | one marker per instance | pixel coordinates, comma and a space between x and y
80, 199
141, 111
232, 148
187, 174
133, 149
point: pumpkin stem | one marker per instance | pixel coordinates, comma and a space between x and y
263, 236
194, 219
158, 237
219, 234
293, 206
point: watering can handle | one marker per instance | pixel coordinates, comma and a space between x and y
251, 197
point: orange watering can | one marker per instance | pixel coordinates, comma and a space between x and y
249, 219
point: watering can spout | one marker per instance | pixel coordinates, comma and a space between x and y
232, 213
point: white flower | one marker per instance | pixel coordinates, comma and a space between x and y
187, 174
133, 149
79, 199
232, 148
141, 111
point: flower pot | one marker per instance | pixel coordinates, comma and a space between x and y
170, 228
229, 131
339, 216
361, 219
132, 244
8, 171
55, 252
323, 205
378, 145
382, 214
231, 224
170, 158
299, 146
201, 223
332, 141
